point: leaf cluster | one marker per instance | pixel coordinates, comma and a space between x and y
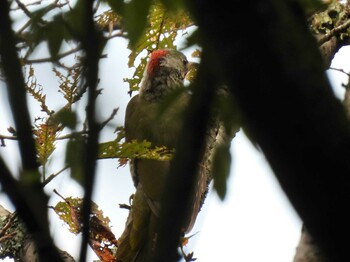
45, 135
69, 82
101, 238
334, 16
36, 90
134, 149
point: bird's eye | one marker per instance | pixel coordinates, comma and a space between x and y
185, 62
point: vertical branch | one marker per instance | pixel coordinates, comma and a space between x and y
16, 90
28, 196
91, 47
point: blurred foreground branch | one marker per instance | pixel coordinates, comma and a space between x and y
288, 108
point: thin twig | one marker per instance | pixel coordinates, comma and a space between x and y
119, 34
24, 8
104, 123
8, 137
8, 224
72, 135
20, 31
8, 236
52, 176
333, 32
340, 70
28, 4
56, 192
59, 56
50, 59
63, 137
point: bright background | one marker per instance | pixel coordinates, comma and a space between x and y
255, 222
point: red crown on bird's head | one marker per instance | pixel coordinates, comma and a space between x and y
155, 57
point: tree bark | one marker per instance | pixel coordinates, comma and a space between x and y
307, 250
276, 74
17, 242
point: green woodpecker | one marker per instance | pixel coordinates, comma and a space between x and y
149, 118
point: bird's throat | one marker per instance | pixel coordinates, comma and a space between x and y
155, 88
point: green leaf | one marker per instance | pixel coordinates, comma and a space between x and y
68, 83
74, 19
107, 18
45, 135
229, 110
37, 28
135, 19
36, 90
221, 170
75, 155
134, 149
335, 15
135, 81
161, 32
68, 211
66, 117
117, 5
55, 33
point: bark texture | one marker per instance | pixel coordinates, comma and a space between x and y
17, 243
308, 250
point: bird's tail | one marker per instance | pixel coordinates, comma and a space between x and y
135, 243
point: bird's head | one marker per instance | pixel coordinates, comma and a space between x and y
167, 60
166, 69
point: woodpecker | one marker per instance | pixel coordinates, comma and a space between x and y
149, 117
